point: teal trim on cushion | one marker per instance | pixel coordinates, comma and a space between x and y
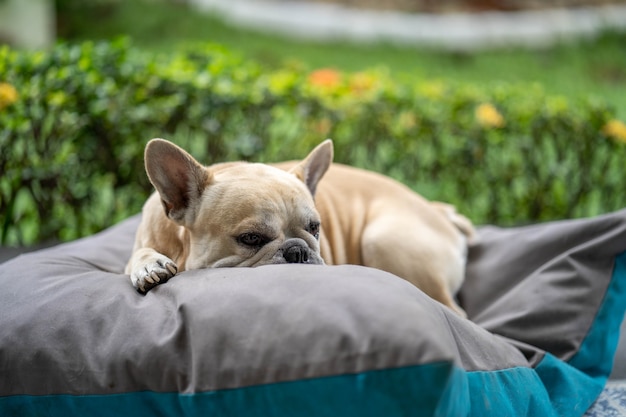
509, 392
596, 353
442, 389
571, 391
552, 389
438, 389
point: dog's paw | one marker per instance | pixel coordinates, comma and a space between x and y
154, 272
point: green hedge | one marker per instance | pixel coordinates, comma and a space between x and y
74, 121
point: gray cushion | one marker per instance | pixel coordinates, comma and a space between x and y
545, 303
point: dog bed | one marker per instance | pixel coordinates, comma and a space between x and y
545, 304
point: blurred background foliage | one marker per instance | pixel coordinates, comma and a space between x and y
509, 136
574, 68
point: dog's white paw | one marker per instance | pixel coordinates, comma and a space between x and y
155, 271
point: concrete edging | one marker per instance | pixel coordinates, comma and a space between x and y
459, 31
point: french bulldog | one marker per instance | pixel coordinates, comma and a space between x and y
240, 214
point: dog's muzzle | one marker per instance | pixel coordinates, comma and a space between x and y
296, 251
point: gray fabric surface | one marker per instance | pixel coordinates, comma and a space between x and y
72, 323
542, 285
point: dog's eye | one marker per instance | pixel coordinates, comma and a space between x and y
252, 239
314, 229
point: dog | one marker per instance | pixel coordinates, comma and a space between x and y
240, 214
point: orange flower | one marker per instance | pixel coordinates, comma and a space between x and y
615, 129
488, 116
326, 77
8, 95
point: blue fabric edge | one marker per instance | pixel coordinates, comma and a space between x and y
435, 389
440, 389
553, 388
574, 386
597, 352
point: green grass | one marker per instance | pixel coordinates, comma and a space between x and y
575, 69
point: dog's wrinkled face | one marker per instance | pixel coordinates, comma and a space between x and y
241, 214
252, 215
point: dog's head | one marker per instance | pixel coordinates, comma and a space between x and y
241, 214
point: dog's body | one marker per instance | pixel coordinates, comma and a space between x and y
243, 214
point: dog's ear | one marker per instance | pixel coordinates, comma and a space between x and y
177, 176
314, 166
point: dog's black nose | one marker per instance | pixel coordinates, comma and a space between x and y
296, 255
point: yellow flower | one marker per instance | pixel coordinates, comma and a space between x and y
615, 129
488, 116
362, 82
8, 95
